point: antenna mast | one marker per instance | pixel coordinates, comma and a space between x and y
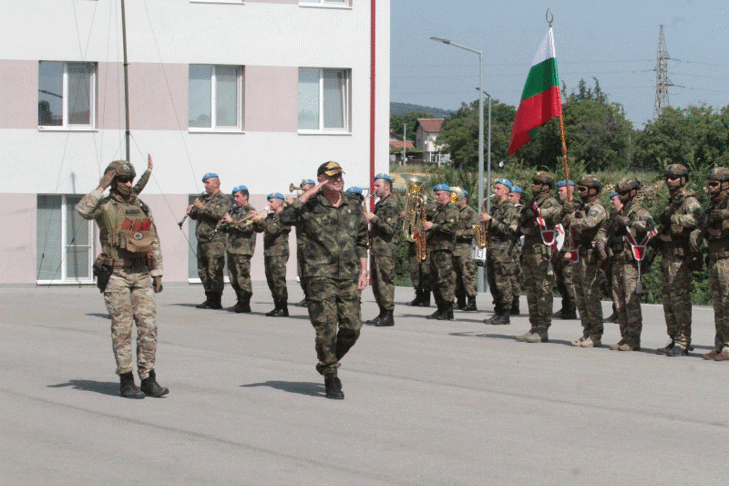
126, 79
662, 81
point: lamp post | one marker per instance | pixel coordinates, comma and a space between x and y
480, 135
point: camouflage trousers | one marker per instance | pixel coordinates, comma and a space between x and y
210, 265
239, 273
719, 283
275, 267
538, 286
627, 302
464, 269
564, 274
515, 284
676, 294
441, 272
300, 264
419, 270
382, 271
500, 270
130, 299
334, 311
588, 293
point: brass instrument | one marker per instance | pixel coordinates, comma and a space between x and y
293, 188
415, 213
202, 197
246, 220
481, 236
457, 195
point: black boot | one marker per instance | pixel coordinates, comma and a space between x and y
333, 387
461, 302
376, 321
437, 313
244, 303
614, 316
425, 302
471, 306
386, 320
206, 304
280, 310
501, 319
151, 388
447, 314
418, 300
215, 301
497, 312
514, 311
569, 311
127, 388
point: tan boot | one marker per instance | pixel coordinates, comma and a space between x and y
591, 343
578, 342
616, 346
628, 347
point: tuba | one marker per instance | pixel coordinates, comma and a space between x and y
457, 195
480, 234
415, 213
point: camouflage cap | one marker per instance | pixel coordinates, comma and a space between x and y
330, 168
720, 174
122, 168
543, 177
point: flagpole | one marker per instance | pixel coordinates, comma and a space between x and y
550, 18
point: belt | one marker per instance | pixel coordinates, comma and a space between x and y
125, 262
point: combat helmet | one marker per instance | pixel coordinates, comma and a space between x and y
122, 168
589, 180
628, 184
676, 170
543, 177
718, 174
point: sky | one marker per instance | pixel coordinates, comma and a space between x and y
613, 41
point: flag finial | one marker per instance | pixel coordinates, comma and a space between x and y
550, 18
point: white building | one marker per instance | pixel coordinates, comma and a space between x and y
260, 92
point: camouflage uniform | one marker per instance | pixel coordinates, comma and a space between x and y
500, 266
386, 226
336, 239
420, 269
584, 225
565, 275
441, 242
625, 270
682, 214
516, 258
241, 246
211, 243
535, 261
129, 295
275, 256
463, 264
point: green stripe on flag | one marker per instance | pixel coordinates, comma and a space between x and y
541, 77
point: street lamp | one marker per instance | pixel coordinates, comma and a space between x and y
480, 134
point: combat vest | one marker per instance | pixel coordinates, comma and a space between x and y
126, 230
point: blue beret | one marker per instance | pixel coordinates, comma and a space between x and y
465, 192
505, 182
563, 183
276, 195
516, 189
308, 181
612, 195
209, 175
384, 176
354, 190
442, 187
239, 189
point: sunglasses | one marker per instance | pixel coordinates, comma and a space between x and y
124, 179
714, 184
672, 177
623, 193
582, 188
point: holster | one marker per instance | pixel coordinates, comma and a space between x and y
102, 272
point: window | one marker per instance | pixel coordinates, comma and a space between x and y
324, 100
326, 3
66, 94
216, 97
65, 241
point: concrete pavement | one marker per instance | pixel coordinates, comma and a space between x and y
427, 402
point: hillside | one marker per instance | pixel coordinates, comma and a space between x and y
401, 108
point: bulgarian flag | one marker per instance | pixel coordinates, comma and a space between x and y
540, 100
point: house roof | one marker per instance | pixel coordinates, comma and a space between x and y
430, 124
398, 144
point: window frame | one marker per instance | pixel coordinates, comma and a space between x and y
347, 4
66, 126
346, 97
240, 107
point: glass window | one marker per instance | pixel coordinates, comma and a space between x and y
324, 100
215, 97
66, 94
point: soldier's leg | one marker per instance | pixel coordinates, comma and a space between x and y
532, 261
668, 276
545, 298
580, 278
323, 315
386, 282
376, 280
217, 267
593, 297
348, 316
117, 297
202, 265
721, 340
145, 312
278, 274
233, 273
300, 263
682, 302
632, 308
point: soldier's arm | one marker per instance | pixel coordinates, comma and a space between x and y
386, 220
88, 206
361, 239
449, 222
691, 218
550, 212
155, 254
594, 218
216, 209
642, 223
142, 182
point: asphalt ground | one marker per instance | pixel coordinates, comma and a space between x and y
427, 402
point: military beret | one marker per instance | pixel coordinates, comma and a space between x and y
307, 181
209, 175
516, 189
353, 190
465, 192
505, 182
384, 176
240, 188
275, 195
441, 187
563, 183
612, 195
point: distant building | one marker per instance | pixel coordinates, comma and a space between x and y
426, 131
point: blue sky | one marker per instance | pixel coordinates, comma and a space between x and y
616, 42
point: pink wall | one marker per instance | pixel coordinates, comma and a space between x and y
17, 249
19, 94
270, 99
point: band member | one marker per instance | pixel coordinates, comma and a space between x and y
129, 272
630, 221
537, 221
385, 225
419, 268
463, 264
584, 222
501, 226
714, 233
563, 268
336, 270
681, 216
441, 237
238, 223
300, 242
276, 254
210, 243
515, 199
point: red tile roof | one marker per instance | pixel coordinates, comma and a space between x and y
430, 124
398, 144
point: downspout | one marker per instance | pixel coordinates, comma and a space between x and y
372, 103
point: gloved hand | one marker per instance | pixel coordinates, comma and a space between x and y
695, 241
106, 179
665, 219
568, 207
622, 220
600, 247
157, 284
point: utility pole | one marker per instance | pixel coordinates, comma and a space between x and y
404, 144
662, 81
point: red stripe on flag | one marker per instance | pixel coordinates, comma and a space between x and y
534, 112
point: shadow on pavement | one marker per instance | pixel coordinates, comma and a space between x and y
98, 314
103, 387
300, 387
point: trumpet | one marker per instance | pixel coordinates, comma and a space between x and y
480, 234
203, 197
293, 188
